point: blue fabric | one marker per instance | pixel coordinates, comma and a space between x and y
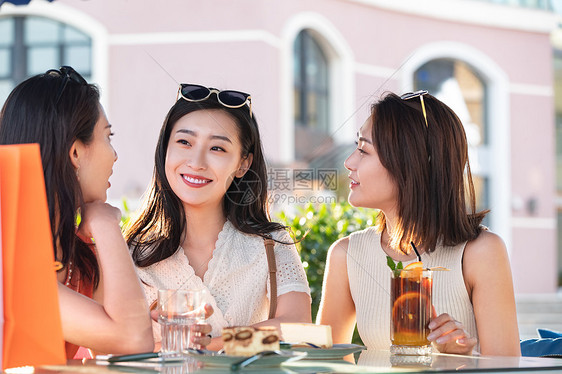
546, 333
549, 343
16, 2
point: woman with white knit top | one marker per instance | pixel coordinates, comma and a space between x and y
411, 163
205, 222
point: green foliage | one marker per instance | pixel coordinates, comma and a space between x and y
126, 212
390, 262
323, 224
395, 267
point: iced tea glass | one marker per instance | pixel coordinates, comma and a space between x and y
410, 311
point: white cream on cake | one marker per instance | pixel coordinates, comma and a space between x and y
299, 333
247, 341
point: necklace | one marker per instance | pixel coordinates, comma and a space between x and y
200, 264
68, 275
68, 280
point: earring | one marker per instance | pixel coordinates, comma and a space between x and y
77, 175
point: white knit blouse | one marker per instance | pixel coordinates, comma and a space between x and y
237, 278
369, 281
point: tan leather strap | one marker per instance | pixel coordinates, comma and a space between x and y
269, 244
153, 305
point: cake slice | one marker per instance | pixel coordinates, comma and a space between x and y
302, 333
247, 340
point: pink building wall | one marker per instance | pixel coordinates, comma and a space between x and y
150, 46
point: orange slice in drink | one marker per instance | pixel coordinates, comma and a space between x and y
414, 265
412, 270
403, 300
410, 314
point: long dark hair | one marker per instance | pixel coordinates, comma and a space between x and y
157, 233
55, 112
436, 200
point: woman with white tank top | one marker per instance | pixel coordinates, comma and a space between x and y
411, 163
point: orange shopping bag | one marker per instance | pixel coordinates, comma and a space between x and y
32, 328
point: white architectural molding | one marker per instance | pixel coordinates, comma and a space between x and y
375, 71
163, 38
531, 89
93, 28
534, 223
472, 12
497, 83
342, 80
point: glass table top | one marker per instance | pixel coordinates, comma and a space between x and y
368, 362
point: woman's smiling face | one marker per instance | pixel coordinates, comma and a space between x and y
371, 185
204, 155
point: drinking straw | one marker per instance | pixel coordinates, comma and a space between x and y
415, 250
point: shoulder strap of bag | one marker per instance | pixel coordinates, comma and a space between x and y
269, 244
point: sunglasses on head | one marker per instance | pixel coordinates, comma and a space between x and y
68, 74
420, 94
228, 98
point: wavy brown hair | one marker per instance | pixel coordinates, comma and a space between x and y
429, 164
157, 233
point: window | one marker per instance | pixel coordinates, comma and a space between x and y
32, 45
459, 86
311, 95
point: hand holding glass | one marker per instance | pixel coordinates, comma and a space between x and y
178, 311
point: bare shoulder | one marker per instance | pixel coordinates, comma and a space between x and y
485, 257
338, 250
486, 246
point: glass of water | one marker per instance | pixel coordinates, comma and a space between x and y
178, 311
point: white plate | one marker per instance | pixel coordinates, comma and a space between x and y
211, 358
337, 352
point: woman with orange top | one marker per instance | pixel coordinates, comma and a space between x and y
411, 163
61, 111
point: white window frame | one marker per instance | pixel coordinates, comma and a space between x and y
81, 21
341, 80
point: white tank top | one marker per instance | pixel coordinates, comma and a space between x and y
369, 282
